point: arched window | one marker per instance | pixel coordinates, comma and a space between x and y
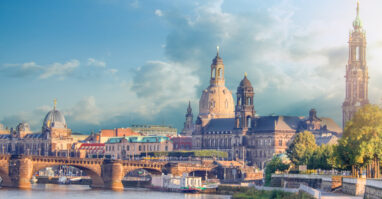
219, 72
249, 120
213, 73
239, 101
357, 53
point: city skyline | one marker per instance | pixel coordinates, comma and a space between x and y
292, 55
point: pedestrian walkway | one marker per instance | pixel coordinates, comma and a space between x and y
329, 195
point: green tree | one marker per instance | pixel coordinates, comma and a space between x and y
302, 148
361, 144
323, 158
276, 164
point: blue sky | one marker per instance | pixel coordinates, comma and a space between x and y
113, 63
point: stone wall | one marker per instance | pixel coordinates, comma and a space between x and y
353, 186
294, 180
373, 189
326, 184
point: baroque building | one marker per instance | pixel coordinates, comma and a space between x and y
237, 130
356, 72
55, 138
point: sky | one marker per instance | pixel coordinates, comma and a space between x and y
114, 63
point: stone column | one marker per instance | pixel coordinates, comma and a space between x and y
20, 171
112, 174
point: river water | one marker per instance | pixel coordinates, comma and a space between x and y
52, 191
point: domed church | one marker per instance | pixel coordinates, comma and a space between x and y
55, 138
216, 100
238, 131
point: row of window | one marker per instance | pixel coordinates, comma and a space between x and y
219, 132
140, 148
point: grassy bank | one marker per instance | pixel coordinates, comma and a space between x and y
238, 192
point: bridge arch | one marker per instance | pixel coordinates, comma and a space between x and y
93, 173
151, 171
5, 179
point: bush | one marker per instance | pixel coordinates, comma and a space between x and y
202, 153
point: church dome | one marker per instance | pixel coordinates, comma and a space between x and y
217, 101
245, 83
54, 119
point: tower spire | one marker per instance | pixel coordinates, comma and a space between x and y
357, 24
54, 103
357, 8
217, 51
189, 109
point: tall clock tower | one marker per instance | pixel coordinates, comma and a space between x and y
356, 72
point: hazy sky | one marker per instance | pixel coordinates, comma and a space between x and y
113, 63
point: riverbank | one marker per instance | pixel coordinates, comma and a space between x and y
239, 192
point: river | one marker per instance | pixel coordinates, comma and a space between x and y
53, 191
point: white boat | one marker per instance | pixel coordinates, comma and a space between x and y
75, 179
34, 180
62, 180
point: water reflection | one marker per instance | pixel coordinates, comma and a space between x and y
53, 191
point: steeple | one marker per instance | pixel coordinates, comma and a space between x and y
357, 23
54, 103
244, 110
356, 72
188, 124
189, 110
217, 70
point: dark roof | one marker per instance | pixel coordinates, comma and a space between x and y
221, 124
245, 83
5, 136
33, 136
320, 140
277, 123
331, 125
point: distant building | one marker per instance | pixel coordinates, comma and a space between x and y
78, 137
357, 75
189, 123
3, 130
155, 130
128, 147
55, 138
236, 129
105, 134
92, 149
182, 143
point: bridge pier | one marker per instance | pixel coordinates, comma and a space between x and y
112, 174
20, 172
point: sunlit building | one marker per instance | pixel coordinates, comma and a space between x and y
55, 138
236, 129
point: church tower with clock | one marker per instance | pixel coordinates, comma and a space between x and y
356, 72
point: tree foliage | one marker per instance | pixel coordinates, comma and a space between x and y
324, 157
276, 164
199, 153
302, 148
362, 138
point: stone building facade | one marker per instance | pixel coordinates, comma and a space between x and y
237, 130
154, 130
357, 76
55, 138
128, 147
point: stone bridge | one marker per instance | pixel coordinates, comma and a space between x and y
17, 171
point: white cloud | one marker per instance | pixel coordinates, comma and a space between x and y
60, 70
160, 85
85, 111
158, 12
97, 63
